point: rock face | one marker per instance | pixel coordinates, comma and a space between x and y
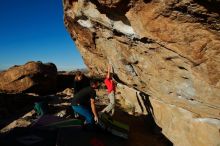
167, 49
64, 81
34, 77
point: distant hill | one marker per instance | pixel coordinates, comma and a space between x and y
84, 70
1, 70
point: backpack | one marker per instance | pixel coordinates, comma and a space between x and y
41, 108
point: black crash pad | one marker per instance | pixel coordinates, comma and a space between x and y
29, 137
71, 136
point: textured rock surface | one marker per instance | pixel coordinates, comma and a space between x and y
167, 49
33, 77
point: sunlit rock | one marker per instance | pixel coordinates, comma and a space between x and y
165, 53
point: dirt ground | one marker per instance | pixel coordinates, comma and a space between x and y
143, 130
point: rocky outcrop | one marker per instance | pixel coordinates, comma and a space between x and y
33, 77
64, 80
166, 49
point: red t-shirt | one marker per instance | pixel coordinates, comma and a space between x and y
110, 85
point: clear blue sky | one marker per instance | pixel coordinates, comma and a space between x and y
34, 30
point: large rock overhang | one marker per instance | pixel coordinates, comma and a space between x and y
166, 49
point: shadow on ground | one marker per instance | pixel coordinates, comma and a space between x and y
143, 129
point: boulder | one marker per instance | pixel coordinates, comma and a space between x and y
167, 49
32, 77
64, 80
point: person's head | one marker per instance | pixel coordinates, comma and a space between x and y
94, 84
78, 75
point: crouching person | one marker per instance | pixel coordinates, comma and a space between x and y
84, 103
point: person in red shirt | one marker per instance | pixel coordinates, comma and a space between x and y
111, 93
